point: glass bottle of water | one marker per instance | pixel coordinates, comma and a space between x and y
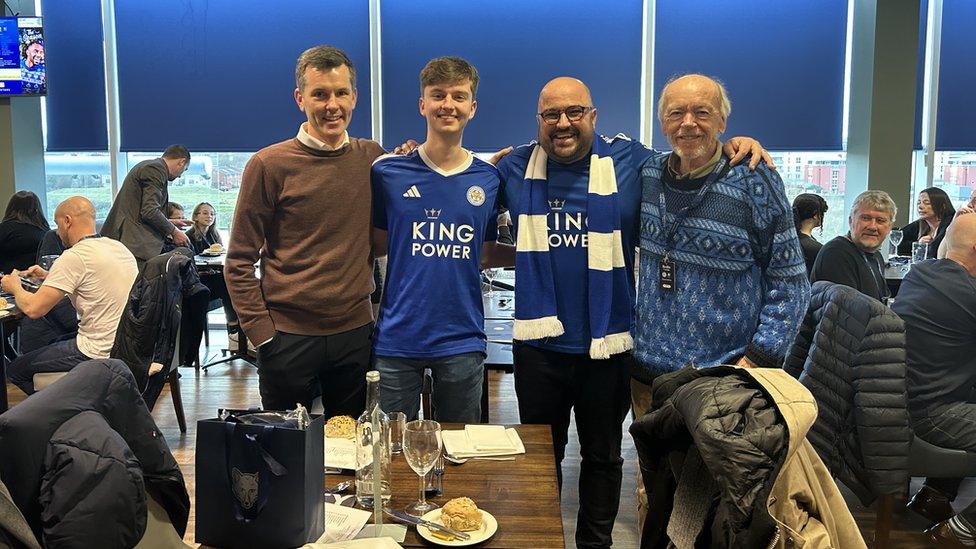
365, 439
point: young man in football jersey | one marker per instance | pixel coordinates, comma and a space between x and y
434, 213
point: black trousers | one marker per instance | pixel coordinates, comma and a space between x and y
297, 368
549, 385
949, 426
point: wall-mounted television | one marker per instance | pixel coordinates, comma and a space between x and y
22, 68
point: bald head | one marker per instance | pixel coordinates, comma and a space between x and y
76, 206
75, 218
961, 236
700, 85
566, 140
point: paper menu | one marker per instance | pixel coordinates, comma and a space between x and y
340, 453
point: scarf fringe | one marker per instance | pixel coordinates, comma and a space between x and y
537, 328
601, 348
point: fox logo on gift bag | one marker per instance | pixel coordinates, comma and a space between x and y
245, 488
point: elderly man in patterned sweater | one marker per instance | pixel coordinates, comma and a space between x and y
722, 277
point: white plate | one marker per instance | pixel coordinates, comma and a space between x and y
488, 528
212, 254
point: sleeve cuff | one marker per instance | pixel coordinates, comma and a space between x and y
761, 358
262, 330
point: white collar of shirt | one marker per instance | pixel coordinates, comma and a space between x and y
306, 139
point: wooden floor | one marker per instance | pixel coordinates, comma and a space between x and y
235, 385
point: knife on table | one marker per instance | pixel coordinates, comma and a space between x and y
401, 516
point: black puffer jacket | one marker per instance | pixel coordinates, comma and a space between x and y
80, 456
148, 327
734, 438
850, 354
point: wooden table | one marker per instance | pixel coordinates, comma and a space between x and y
522, 495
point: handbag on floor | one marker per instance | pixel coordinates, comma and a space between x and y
259, 481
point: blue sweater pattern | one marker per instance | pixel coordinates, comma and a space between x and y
741, 284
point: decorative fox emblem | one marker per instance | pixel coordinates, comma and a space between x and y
245, 487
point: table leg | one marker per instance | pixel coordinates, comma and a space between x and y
3, 367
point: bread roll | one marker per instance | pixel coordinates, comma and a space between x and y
461, 514
3, 303
340, 427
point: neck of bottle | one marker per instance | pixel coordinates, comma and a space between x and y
372, 395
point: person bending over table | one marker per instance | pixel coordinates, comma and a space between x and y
95, 273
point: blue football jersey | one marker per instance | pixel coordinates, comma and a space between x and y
436, 223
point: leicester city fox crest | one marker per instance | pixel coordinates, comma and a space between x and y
245, 488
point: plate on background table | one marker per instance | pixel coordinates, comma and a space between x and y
212, 254
488, 528
10, 305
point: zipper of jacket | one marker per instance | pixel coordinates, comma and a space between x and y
775, 539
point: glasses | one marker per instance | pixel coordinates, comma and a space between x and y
573, 114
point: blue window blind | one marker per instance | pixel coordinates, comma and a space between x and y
219, 75
956, 119
75, 102
782, 62
517, 46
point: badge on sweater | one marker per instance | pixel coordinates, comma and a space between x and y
666, 273
476, 195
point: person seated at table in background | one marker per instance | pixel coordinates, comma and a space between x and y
853, 259
935, 212
203, 236
174, 212
95, 273
432, 314
937, 301
21, 231
808, 214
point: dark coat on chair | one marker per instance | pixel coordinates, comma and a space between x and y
850, 354
87, 448
150, 324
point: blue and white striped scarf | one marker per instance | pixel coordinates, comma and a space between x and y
610, 308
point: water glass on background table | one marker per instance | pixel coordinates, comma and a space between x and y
47, 261
919, 251
398, 422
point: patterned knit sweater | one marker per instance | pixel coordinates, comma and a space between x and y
741, 286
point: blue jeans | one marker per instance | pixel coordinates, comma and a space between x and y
56, 357
456, 392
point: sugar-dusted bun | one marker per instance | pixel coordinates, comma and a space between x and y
461, 514
3, 303
340, 427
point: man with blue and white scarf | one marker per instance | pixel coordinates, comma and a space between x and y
574, 198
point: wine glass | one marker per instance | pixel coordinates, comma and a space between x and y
490, 275
895, 237
421, 447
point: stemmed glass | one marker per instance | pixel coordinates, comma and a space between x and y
421, 447
490, 275
895, 237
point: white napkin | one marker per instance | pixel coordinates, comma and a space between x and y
458, 444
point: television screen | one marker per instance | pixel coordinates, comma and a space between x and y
22, 69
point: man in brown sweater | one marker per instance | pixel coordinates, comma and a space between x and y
304, 212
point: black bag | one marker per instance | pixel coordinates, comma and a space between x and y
259, 485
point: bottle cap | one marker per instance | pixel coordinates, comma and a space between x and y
372, 375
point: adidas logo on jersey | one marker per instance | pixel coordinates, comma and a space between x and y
412, 192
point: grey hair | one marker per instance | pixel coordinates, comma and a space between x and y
724, 103
875, 200
322, 58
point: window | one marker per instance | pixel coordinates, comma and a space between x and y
822, 173
80, 173
955, 173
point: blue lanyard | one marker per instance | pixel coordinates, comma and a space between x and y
670, 230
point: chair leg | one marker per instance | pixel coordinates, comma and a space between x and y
883, 522
174, 388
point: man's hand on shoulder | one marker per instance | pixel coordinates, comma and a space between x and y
497, 157
406, 147
737, 148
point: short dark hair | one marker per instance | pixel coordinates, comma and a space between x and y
25, 207
322, 58
448, 70
171, 208
806, 206
177, 152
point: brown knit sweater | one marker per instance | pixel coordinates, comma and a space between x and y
305, 214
